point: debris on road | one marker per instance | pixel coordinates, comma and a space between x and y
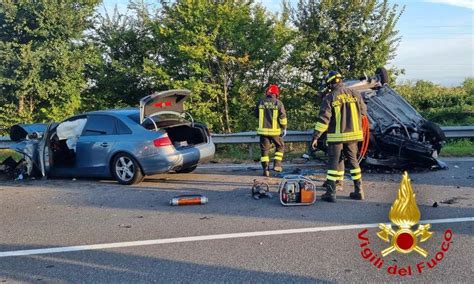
435, 204
450, 201
125, 226
193, 199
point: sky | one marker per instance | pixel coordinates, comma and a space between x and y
437, 38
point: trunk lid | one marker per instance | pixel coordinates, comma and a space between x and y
166, 101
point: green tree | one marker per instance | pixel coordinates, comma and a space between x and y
225, 52
43, 57
353, 37
127, 65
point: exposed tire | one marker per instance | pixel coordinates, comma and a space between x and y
435, 134
434, 130
382, 73
187, 170
126, 169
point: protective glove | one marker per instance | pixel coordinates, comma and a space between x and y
283, 134
314, 144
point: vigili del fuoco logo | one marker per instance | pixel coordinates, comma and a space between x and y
405, 214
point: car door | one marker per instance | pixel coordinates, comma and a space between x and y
94, 146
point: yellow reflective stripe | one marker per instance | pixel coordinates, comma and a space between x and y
260, 117
359, 176
355, 117
330, 78
337, 111
321, 127
338, 173
346, 134
268, 132
355, 171
334, 178
278, 158
345, 139
265, 159
279, 154
332, 137
328, 177
283, 121
274, 119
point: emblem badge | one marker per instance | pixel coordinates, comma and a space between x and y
405, 214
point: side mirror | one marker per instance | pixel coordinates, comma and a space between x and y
35, 135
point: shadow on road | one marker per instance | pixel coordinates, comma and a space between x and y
114, 267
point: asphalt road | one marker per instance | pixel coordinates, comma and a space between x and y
49, 214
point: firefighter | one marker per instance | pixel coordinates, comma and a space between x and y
272, 128
340, 116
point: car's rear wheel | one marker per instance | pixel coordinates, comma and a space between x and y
126, 169
187, 170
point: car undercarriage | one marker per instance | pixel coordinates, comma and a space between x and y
399, 136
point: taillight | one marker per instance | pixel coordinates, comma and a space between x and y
162, 141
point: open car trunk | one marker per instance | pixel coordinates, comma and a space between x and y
165, 111
186, 135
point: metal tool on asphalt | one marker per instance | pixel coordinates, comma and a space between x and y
297, 190
260, 189
192, 199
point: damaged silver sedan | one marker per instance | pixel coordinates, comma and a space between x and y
125, 144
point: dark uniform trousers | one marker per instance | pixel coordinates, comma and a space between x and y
336, 153
266, 144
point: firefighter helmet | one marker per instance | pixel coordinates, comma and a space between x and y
332, 77
273, 89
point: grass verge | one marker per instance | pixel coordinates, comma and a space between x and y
458, 148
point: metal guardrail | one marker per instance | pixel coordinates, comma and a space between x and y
305, 136
294, 136
458, 131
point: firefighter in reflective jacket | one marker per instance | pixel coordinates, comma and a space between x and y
340, 115
271, 128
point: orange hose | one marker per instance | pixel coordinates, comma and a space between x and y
365, 142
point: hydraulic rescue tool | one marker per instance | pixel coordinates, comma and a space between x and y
297, 190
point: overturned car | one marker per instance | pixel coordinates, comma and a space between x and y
399, 136
125, 144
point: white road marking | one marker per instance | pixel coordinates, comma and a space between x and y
213, 237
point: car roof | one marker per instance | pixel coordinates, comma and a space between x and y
119, 112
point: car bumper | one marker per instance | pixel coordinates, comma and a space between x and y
172, 159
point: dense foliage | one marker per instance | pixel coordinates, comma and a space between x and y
43, 55
60, 57
444, 105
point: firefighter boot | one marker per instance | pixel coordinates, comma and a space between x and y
266, 171
330, 195
277, 166
358, 193
339, 185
